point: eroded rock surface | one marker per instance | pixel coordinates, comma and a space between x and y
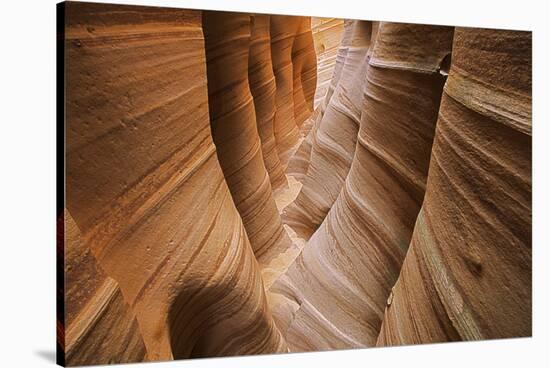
299, 162
263, 88
145, 187
327, 37
467, 274
406, 200
100, 326
334, 135
340, 282
304, 69
294, 65
287, 135
233, 123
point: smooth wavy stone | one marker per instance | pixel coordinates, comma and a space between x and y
100, 327
145, 187
334, 138
339, 284
299, 162
467, 274
233, 123
327, 37
304, 70
263, 87
287, 134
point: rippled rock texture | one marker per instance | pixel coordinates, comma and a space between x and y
334, 135
248, 184
294, 66
468, 269
146, 189
233, 123
354, 258
299, 162
100, 326
263, 87
327, 37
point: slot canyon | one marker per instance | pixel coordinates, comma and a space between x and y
254, 184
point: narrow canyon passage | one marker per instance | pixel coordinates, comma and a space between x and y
247, 183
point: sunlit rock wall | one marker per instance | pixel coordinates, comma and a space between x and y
334, 135
351, 262
233, 123
145, 187
327, 36
100, 326
246, 184
467, 274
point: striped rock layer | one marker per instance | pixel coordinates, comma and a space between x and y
99, 325
233, 123
284, 30
299, 162
327, 37
339, 284
334, 136
467, 274
304, 70
180, 128
262, 86
145, 187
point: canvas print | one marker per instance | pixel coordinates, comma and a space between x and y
235, 184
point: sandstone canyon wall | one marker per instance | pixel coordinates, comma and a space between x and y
145, 187
246, 184
287, 135
304, 69
100, 326
334, 135
263, 87
468, 269
327, 35
299, 162
354, 258
233, 124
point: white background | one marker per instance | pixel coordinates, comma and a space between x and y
27, 180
